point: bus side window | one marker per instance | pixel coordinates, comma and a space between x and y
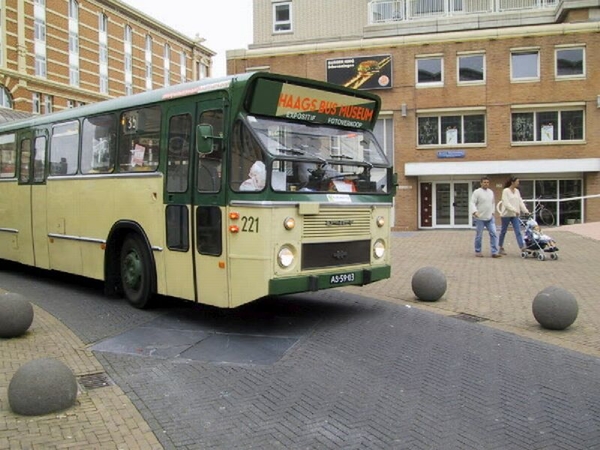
178, 155
139, 142
39, 159
8, 156
64, 149
210, 164
98, 144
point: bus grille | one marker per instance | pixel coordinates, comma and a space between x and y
333, 254
337, 222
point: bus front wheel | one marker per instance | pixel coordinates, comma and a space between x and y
136, 272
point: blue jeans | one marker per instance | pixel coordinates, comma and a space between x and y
516, 224
491, 227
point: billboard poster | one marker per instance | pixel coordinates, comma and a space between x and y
365, 72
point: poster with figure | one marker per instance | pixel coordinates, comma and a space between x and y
547, 132
365, 72
451, 136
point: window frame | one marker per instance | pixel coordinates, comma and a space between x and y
428, 84
439, 116
537, 129
282, 26
566, 48
458, 67
521, 52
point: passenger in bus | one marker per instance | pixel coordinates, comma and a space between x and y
257, 178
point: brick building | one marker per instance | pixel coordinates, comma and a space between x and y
63, 53
469, 88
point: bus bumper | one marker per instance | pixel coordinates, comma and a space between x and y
313, 283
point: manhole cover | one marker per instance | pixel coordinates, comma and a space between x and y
469, 317
95, 380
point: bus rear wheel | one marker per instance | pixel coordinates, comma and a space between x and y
135, 267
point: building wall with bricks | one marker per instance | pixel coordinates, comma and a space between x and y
18, 54
567, 166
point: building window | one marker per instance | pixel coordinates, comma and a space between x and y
282, 17
102, 23
525, 65
183, 67
201, 70
5, 98
73, 10
451, 129
40, 66
570, 62
471, 69
128, 60
48, 104
547, 126
39, 28
430, 71
39, 32
148, 62
167, 65
74, 75
36, 103
384, 132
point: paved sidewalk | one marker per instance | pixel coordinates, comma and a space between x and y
497, 291
100, 419
501, 291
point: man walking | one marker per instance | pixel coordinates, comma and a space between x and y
482, 205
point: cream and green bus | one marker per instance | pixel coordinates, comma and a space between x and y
219, 191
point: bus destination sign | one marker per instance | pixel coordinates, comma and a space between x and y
292, 101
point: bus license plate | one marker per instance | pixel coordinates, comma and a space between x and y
341, 278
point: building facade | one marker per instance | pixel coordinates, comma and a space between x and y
469, 88
64, 53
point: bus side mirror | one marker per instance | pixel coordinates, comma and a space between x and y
204, 138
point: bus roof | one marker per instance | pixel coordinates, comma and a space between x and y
173, 92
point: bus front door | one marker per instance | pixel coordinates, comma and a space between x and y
195, 255
210, 246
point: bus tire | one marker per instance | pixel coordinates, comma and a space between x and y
135, 267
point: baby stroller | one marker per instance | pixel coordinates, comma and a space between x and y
537, 244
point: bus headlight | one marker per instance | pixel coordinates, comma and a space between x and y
285, 257
380, 221
378, 249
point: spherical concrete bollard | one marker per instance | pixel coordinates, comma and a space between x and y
16, 315
42, 386
555, 308
429, 284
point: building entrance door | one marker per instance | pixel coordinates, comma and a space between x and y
451, 204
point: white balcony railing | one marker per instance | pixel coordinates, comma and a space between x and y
383, 11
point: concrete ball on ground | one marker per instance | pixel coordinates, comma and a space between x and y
429, 284
16, 315
555, 308
42, 386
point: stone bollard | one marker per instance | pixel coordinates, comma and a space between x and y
555, 308
429, 284
42, 386
16, 315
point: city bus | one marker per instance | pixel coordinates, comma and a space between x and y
219, 191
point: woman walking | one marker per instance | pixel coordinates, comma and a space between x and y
513, 207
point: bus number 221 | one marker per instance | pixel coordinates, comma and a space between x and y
249, 224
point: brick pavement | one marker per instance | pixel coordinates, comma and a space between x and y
497, 290
100, 419
502, 290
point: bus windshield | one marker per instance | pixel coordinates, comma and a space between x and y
321, 158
